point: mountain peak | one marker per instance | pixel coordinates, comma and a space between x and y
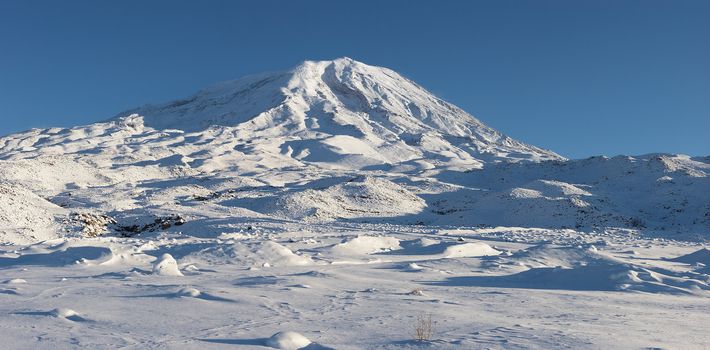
383, 114
338, 60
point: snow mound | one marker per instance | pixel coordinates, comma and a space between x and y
366, 245
15, 281
252, 254
166, 266
189, 292
115, 254
362, 197
288, 341
64, 312
473, 249
414, 267
547, 255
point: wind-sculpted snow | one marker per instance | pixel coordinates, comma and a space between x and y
335, 204
586, 269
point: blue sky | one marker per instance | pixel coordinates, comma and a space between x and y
579, 77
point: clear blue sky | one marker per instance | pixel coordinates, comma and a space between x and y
579, 77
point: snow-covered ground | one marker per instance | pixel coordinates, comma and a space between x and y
335, 205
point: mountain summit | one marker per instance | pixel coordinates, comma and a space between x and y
342, 110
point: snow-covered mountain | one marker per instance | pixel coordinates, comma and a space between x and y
328, 111
334, 200
335, 140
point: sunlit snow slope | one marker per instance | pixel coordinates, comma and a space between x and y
329, 141
303, 209
342, 111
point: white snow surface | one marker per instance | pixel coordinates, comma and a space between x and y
330, 206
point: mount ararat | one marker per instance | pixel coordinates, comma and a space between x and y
341, 205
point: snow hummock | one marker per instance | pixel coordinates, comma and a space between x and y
166, 266
469, 250
15, 281
366, 245
64, 312
254, 254
189, 292
288, 341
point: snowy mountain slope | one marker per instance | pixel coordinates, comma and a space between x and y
327, 109
333, 114
334, 200
286, 133
654, 192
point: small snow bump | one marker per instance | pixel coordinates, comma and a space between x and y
16, 281
166, 266
189, 292
288, 341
